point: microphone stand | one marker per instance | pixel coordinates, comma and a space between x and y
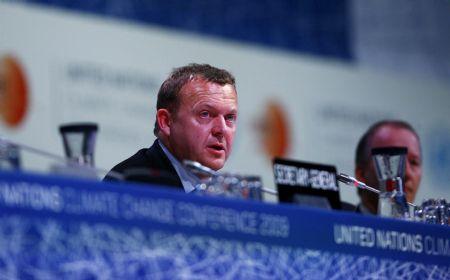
6, 142
349, 180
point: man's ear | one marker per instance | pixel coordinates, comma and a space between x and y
164, 119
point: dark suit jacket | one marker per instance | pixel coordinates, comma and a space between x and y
150, 166
345, 206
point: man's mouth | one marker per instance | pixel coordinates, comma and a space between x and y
217, 147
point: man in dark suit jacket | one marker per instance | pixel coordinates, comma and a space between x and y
384, 134
149, 165
195, 120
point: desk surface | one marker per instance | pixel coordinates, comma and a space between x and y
55, 227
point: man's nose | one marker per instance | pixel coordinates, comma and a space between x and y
219, 126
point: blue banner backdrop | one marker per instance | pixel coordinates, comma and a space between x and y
317, 27
54, 227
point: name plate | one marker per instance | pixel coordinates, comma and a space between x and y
306, 183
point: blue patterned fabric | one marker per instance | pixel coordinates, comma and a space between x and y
59, 228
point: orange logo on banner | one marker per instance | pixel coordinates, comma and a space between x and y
275, 131
13, 92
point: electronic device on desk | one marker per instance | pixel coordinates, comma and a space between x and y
306, 183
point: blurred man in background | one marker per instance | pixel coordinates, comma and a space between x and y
384, 134
195, 120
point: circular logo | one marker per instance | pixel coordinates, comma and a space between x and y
275, 131
13, 92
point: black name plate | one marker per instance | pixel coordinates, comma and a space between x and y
299, 182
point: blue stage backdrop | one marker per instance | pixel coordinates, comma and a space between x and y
58, 228
317, 27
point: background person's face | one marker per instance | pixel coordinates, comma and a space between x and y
203, 128
400, 137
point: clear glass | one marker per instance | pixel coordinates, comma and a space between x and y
393, 204
389, 166
232, 185
225, 184
390, 163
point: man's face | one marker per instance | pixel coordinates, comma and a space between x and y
204, 125
391, 136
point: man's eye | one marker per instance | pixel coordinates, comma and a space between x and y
204, 114
415, 162
230, 118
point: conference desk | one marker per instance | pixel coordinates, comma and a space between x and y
61, 228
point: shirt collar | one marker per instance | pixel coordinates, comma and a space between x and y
188, 180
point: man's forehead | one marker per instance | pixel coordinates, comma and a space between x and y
200, 88
389, 132
395, 136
